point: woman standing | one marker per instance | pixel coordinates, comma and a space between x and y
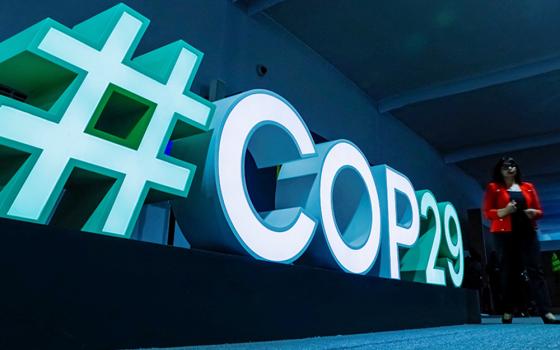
513, 207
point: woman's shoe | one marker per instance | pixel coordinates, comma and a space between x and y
549, 318
508, 318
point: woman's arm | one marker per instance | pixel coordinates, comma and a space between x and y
508, 209
489, 204
536, 211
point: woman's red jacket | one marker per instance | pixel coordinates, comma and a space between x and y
497, 197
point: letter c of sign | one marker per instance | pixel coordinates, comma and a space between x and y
269, 238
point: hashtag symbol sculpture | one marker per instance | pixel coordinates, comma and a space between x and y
82, 86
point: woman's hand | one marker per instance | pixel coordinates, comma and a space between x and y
531, 213
510, 208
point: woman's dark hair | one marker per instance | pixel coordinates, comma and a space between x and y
497, 173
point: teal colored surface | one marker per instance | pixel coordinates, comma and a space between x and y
525, 333
45, 63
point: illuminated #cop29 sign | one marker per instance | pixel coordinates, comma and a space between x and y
84, 141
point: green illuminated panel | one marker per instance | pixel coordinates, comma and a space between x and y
84, 127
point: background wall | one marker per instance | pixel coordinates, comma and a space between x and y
234, 43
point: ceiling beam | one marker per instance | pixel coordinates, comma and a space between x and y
550, 230
548, 192
552, 204
552, 213
551, 218
481, 81
552, 235
508, 146
257, 6
546, 182
545, 168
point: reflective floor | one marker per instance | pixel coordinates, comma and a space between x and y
524, 333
